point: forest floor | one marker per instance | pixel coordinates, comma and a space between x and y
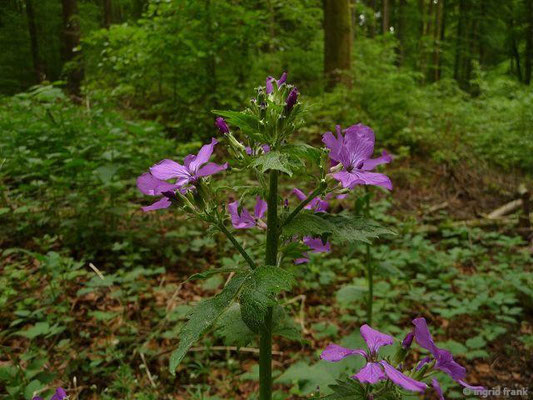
114, 328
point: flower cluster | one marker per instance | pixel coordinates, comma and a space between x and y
376, 370
60, 394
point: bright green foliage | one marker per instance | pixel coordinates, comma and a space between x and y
341, 228
349, 389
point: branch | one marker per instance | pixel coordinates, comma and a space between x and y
237, 245
305, 202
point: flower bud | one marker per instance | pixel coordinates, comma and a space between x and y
221, 125
292, 98
268, 85
406, 343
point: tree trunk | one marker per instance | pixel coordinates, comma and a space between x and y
386, 17
529, 41
32, 28
437, 28
71, 40
459, 45
372, 24
444, 13
337, 42
401, 33
108, 13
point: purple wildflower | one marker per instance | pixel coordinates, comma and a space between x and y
408, 340
195, 167
317, 204
60, 394
443, 358
353, 152
270, 80
316, 245
151, 186
292, 98
244, 220
221, 125
373, 371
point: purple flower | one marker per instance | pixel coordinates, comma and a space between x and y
292, 98
270, 80
151, 186
443, 358
317, 204
316, 245
244, 220
250, 152
60, 394
408, 340
221, 125
195, 167
373, 371
353, 152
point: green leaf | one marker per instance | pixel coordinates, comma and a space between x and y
303, 151
40, 328
233, 329
284, 325
341, 228
211, 272
203, 317
348, 389
246, 122
273, 160
259, 293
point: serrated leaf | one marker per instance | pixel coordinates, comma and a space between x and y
273, 160
305, 151
259, 293
233, 329
284, 325
203, 317
346, 390
340, 228
247, 123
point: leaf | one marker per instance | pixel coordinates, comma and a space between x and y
348, 389
305, 151
247, 123
259, 293
341, 228
273, 160
203, 317
233, 329
284, 325
40, 328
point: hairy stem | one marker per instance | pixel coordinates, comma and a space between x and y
237, 245
265, 343
305, 202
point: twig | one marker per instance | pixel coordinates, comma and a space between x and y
100, 275
505, 209
150, 378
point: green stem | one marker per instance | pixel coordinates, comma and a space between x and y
265, 342
370, 271
237, 245
305, 202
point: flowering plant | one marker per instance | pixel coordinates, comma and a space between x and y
59, 394
383, 378
262, 145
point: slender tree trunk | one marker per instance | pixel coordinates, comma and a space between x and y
434, 76
372, 23
338, 42
386, 17
71, 40
444, 12
32, 28
529, 41
514, 51
108, 13
459, 45
400, 50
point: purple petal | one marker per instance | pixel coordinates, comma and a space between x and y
168, 169
369, 178
151, 186
203, 156
301, 260
333, 144
359, 140
37, 398
211, 168
266, 148
347, 179
282, 79
408, 340
447, 364
402, 380
269, 87
335, 353
423, 336
316, 245
321, 205
260, 207
59, 395
370, 373
436, 385
473, 388
240, 221
221, 125
164, 202
375, 339
298, 193
372, 163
